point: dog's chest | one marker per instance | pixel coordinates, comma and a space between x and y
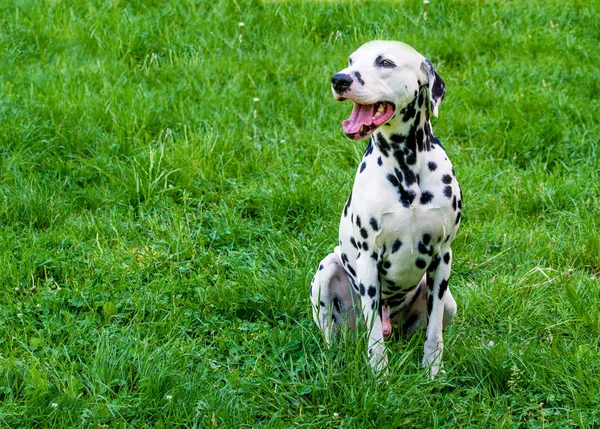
419, 197
402, 215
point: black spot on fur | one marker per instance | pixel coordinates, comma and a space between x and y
447, 179
429, 282
396, 300
372, 291
353, 242
409, 111
365, 246
420, 100
409, 177
398, 174
426, 238
379, 161
460, 204
369, 149
398, 140
363, 166
321, 267
351, 270
374, 224
429, 304
433, 265
448, 191
358, 77
383, 145
358, 223
420, 140
443, 287
364, 233
426, 197
432, 166
392, 287
347, 205
422, 248
393, 180
387, 264
454, 203
396, 245
361, 288
420, 263
374, 255
408, 198
447, 258
457, 218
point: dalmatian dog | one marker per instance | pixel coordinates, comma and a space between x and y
392, 265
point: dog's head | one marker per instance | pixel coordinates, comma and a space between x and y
382, 78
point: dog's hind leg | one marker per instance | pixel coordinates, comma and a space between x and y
415, 316
450, 309
334, 303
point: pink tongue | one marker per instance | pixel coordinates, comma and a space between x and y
362, 114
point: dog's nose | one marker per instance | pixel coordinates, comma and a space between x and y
341, 82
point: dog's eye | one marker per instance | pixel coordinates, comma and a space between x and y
387, 64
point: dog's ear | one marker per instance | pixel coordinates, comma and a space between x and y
437, 87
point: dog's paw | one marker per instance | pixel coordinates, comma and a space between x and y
435, 371
433, 365
378, 359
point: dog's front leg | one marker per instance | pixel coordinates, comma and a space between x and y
368, 285
437, 282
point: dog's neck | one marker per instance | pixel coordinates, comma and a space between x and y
408, 134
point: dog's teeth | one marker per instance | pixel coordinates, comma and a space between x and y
380, 109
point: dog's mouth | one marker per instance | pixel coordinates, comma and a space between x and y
365, 118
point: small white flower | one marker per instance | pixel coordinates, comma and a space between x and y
241, 24
256, 99
490, 344
54, 405
168, 397
19, 314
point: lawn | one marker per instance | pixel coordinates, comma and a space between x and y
172, 172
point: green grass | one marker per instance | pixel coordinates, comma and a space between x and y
159, 228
